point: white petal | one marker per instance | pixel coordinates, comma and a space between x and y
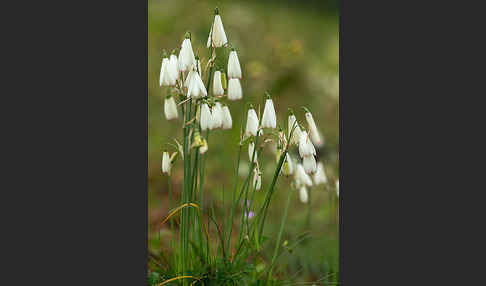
205, 117
174, 68
309, 163
306, 148
251, 149
234, 69
251, 123
320, 175
219, 35
186, 56
170, 108
216, 116
234, 89
269, 119
304, 197
217, 85
166, 163
227, 121
301, 176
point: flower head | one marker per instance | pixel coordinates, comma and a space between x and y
166, 78
216, 116
217, 85
196, 87
251, 123
301, 177
337, 188
251, 149
297, 132
257, 179
234, 69
269, 119
303, 195
306, 148
170, 108
309, 163
288, 167
186, 55
174, 67
313, 132
227, 121
217, 32
166, 164
234, 89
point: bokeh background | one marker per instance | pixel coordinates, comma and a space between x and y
291, 49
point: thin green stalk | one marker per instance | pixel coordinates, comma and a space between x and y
279, 237
170, 202
229, 223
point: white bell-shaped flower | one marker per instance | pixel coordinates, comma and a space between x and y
174, 67
297, 132
251, 123
269, 118
186, 55
205, 117
217, 32
196, 87
166, 78
309, 163
234, 89
227, 121
234, 69
216, 116
313, 132
337, 188
170, 108
301, 177
303, 195
320, 175
217, 85
251, 149
306, 148
257, 179
166, 164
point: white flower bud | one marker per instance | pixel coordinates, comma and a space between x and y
174, 67
297, 132
196, 87
337, 188
217, 85
234, 89
269, 119
216, 116
166, 78
301, 177
314, 133
219, 36
320, 175
234, 69
186, 55
306, 148
251, 123
251, 149
205, 119
170, 108
166, 164
309, 163
288, 167
227, 121
303, 195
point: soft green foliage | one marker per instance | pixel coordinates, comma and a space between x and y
293, 53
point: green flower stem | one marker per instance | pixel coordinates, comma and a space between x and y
229, 223
279, 237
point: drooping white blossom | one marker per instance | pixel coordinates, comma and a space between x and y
166, 164
174, 67
217, 85
251, 123
234, 89
170, 108
217, 33
196, 87
205, 117
306, 148
309, 163
186, 55
313, 132
320, 175
166, 78
269, 118
337, 188
216, 116
301, 177
227, 121
234, 69
297, 132
288, 167
303, 195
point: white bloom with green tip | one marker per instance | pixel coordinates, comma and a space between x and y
234, 69
170, 108
227, 121
234, 89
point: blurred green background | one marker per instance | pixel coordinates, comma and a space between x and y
289, 48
